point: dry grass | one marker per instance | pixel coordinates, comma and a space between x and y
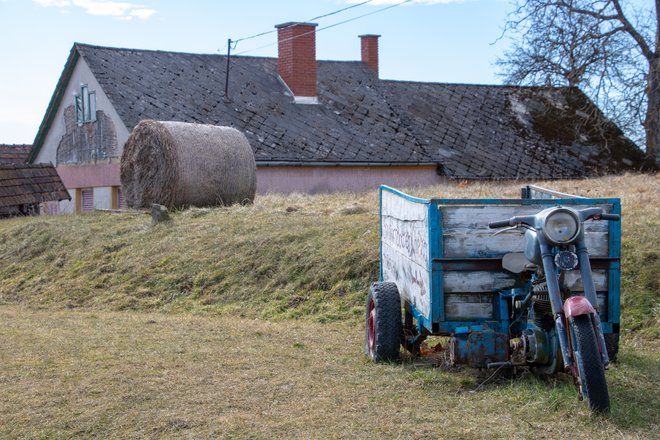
246, 322
296, 256
127, 375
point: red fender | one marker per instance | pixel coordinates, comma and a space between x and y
578, 305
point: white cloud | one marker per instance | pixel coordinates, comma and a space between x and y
104, 8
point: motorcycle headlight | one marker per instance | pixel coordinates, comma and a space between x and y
561, 226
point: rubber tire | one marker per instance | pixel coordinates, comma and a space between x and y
612, 344
590, 365
385, 303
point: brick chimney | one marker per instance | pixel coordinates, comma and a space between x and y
296, 62
369, 45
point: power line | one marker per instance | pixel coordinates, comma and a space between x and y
328, 27
311, 19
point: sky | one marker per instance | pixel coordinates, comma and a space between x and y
453, 41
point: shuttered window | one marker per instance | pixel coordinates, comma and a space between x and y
87, 196
120, 199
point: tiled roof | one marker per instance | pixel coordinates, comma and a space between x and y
14, 154
28, 184
470, 131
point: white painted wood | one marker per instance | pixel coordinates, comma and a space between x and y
493, 281
476, 281
405, 249
477, 217
475, 244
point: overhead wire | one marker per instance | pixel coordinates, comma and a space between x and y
329, 26
311, 19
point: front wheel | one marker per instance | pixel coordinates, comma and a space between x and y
383, 323
591, 372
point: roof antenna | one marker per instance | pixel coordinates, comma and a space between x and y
227, 74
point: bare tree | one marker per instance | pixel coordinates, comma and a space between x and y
605, 47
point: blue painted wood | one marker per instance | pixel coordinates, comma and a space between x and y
614, 281
436, 323
436, 251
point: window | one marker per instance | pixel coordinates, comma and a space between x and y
85, 105
87, 196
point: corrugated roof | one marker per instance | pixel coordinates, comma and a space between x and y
30, 184
470, 131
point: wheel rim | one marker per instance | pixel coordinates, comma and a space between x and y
371, 331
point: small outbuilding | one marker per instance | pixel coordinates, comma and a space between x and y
14, 153
28, 189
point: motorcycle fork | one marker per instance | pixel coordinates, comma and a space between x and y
590, 294
554, 292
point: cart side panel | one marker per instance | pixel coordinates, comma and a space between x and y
405, 248
466, 233
471, 279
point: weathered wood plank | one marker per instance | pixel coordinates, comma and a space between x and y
573, 281
472, 306
493, 281
475, 217
482, 244
464, 307
476, 281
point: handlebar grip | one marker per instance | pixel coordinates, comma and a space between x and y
499, 224
612, 217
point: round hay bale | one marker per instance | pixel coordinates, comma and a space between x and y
178, 164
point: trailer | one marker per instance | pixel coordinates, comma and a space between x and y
443, 272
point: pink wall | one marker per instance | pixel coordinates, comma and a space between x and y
85, 176
281, 179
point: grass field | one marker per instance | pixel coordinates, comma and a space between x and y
247, 322
127, 375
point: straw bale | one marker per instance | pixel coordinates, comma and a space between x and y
177, 164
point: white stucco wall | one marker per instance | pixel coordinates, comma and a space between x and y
68, 207
103, 197
81, 75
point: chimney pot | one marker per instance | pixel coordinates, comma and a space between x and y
296, 60
369, 46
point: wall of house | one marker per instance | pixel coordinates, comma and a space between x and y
78, 163
283, 179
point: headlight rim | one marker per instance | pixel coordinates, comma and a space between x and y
575, 218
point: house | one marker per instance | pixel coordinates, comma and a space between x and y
14, 153
30, 189
320, 126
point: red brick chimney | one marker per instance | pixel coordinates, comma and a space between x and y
370, 51
296, 62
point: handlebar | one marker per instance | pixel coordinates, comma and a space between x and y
611, 217
499, 224
598, 214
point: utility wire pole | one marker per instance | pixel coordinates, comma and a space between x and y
227, 73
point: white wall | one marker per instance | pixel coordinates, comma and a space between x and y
81, 75
103, 197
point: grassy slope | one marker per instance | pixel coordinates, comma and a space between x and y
284, 257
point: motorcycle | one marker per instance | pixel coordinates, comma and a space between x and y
551, 327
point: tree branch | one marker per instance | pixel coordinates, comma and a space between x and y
644, 47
